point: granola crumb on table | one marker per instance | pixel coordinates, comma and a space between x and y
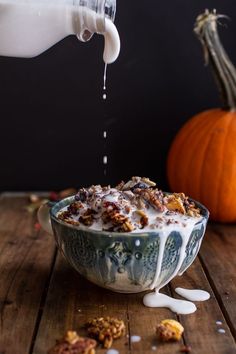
72, 343
105, 330
169, 330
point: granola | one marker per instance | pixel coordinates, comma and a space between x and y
106, 329
72, 343
135, 206
169, 330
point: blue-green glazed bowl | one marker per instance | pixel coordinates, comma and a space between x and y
125, 262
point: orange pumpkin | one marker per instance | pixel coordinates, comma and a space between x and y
202, 158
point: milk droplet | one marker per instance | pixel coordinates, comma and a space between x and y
154, 347
112, 351
104, 134
105, 77
135, 339
219, 323
221, 330
137, 243
105, 160
104, 96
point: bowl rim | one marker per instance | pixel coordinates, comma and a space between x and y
56, 206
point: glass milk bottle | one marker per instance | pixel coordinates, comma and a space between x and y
29, 27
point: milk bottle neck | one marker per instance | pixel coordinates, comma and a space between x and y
89, 17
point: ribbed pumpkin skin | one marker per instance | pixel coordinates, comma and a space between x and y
202, 162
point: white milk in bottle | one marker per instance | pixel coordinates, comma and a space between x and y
29, 27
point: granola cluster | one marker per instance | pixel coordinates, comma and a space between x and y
169, 330
129, 207
72, 343
106, 329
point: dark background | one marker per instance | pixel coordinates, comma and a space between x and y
53, 115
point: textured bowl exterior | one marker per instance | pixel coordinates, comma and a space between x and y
123, 262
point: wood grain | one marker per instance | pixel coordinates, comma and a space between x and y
201, 330
25, 262
72, 300
41, 299
218, 256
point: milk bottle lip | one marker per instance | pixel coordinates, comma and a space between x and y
110, 9
94, 15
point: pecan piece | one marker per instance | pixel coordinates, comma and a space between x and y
74, 208
64, 215
143, 218
153, 198
87, 218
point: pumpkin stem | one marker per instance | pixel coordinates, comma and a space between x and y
223, 69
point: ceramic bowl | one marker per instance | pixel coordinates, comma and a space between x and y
124, 262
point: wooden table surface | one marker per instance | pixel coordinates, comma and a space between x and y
41, 296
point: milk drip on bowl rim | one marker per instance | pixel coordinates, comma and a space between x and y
29, 27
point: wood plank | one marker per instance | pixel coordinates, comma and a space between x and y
143, 322
25, 263
72, 300
201, 330
26, 260
219, 261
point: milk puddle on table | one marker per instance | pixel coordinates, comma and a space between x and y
182, 307
157, 299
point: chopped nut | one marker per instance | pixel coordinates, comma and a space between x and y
105, 330
118, 220
143, 219
195, 212
169, 330
74, 344
148, 182
64, 215
72, 222
87, 218
120, 185
140, 203
127, 209
127, 186
175, 204
71, 337
75, 207
127, 226
152, 197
